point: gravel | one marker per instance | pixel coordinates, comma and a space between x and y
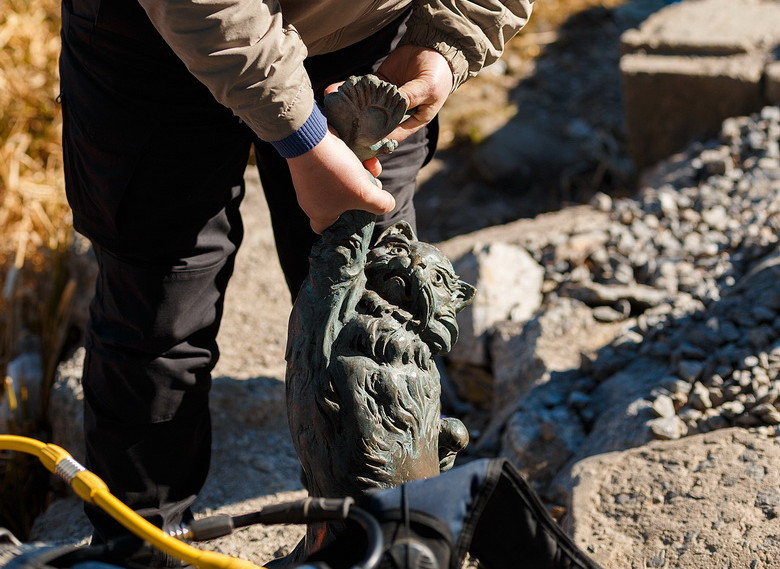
676, 263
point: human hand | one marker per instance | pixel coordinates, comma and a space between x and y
329, 180
424, 77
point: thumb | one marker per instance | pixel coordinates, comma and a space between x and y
416, 91
378, 201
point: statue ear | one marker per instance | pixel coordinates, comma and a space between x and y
400, 228
464, 295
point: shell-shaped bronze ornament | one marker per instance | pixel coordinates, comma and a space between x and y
364, 111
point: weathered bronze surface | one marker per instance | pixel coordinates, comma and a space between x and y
364, 111
363, 392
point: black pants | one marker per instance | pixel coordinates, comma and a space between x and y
154, 174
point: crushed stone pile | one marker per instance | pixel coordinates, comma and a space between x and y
681, 260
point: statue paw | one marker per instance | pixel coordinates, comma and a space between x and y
384, 146
453, 438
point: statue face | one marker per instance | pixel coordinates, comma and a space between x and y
417, 278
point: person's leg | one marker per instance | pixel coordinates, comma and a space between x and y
292, 233
154, 174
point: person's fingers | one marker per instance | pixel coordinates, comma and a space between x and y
373, 166
418, 92
406, 129
377, 201
426, 98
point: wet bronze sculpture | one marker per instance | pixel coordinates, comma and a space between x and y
363, 392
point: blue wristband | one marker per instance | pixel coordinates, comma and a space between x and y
305, 138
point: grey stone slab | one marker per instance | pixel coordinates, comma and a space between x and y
708, 27
693, 64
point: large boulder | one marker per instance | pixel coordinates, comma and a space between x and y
710, 500
567, 419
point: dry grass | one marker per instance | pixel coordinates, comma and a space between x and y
36, 231
34, 217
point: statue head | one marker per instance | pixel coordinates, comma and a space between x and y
419, 279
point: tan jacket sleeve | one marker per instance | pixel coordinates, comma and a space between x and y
244, 52
469, 33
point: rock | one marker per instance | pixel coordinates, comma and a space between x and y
638, 296
609, 314
540, 441
700, 397
532, 234
524, 150
690, 370
554, 340
668, 428
508, 282
663, 406
620, 418
707, 500
473, 384
66, 406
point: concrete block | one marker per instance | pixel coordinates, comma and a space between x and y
693, 64
671, 100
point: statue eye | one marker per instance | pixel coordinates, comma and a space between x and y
398, 251
437, 278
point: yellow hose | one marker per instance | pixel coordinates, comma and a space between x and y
90, 488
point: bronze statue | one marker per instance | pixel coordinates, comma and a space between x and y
363, 392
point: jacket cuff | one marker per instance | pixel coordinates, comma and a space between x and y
421, 31
305, 138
